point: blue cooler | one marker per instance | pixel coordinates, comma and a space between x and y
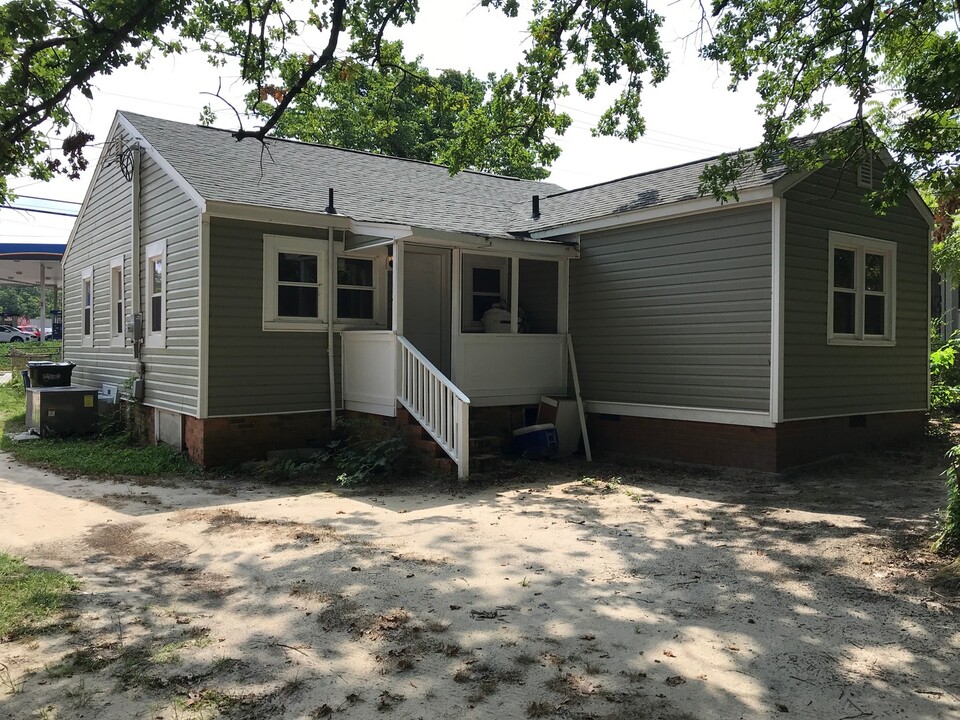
536, 441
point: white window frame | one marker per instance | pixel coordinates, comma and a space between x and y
379, 284
155, 338
469, 264
117, 299
273, 245
861, 246
86, 279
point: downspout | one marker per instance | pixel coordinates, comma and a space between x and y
331, 279
136, 300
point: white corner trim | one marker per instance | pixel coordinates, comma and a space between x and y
777, 280
748, 418
177, 178
668, 211
204, 319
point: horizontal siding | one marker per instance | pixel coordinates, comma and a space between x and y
105, 232
676, 312
821, 379
252, 371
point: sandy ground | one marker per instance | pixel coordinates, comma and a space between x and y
669, 593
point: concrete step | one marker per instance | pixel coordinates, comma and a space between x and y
484, 462
484, 444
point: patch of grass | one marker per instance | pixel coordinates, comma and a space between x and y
29, 595
103, 455
538, 709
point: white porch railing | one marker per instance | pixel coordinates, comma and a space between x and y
436, 403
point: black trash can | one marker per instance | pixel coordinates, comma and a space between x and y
44, 373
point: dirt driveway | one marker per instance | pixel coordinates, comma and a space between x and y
670, 594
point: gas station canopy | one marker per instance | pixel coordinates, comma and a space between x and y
20, 263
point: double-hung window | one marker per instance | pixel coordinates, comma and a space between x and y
294, 288
86, 303
156, 319
355, 288
117, 320
861, 306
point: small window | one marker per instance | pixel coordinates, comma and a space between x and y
156, 320
117, 320
355, 289
294, 291
486, 281
86, 302
861, 304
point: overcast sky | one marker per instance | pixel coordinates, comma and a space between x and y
690, 116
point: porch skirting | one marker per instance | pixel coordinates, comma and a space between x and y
214, 442
772, 449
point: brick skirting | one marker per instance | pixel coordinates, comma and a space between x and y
228, 441
770, 449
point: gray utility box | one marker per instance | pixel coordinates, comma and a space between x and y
55, 411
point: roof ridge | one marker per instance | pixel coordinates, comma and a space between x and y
369, 153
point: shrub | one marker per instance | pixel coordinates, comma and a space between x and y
361, 450
947, 539
944, 372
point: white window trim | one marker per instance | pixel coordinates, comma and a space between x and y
379, 318
272, 246
861, 245
469, 264
117, 338
86, 275
155, 338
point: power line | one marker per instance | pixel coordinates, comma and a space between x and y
37, 210
53, 200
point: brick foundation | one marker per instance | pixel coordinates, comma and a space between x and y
769, 449
228, 441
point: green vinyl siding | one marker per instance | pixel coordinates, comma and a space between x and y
820, 379
252, 371
676, 312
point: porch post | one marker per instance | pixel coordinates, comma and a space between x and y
456, 311
398, 287
514, 294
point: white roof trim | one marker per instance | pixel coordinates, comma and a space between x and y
187, 188
387, 231
658, 212
280, 216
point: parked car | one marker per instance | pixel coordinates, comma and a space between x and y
35, 331
12, 334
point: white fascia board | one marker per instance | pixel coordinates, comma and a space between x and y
668, 211
177, 178
86, 197
280, 216
387, 231
690, 414
499, 246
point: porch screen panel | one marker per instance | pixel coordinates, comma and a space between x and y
538, 296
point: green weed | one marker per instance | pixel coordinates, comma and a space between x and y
29, 595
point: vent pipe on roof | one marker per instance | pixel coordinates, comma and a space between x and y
331, 210
536, 207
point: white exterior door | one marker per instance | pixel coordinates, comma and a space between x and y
426, 303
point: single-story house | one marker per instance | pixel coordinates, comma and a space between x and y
255, 291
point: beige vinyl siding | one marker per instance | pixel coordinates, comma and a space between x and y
676, 312
252, 371
103, 232
828, 380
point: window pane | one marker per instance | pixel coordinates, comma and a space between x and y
486, 280
156, 313
355, 304
843, 268
874, 315
157, 275
293, 301
482, 303
873, 278
844, 313
86, 292
353, 271
293, 267
86, 321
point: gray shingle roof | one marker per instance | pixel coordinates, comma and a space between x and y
368, 187
636, 192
